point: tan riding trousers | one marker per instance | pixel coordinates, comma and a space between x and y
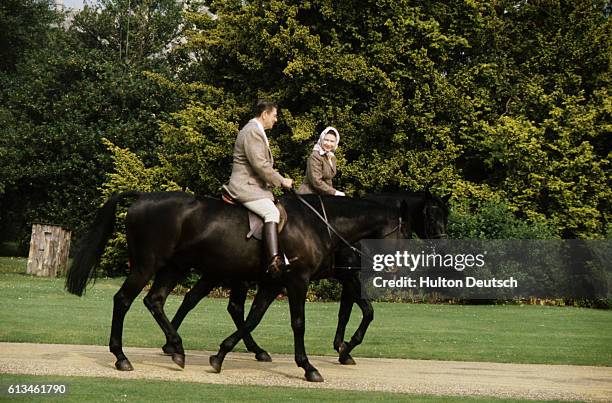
264, 208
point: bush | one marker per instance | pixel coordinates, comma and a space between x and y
130, 174
324, 290
10, 249
494, 220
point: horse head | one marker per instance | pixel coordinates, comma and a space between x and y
434, 217
421, 213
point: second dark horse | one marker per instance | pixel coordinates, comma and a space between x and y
425, 215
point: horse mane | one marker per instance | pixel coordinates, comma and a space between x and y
333, 204
410, 196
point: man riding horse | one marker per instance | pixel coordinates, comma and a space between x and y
253, 175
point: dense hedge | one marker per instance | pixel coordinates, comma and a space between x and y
503, 105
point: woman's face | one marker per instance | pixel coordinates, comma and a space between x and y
329, 142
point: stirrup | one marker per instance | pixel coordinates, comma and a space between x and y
279, 264
275, 267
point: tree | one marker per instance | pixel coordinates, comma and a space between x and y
541, 81
24, 26
137, 32
64, 97
507, 99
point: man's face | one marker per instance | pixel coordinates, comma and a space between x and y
268, 118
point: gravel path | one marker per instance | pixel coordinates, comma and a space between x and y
531, 381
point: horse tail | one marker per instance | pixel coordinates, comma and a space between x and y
92, 245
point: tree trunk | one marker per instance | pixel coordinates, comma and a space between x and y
49, 248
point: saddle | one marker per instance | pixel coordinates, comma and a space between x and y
256, 223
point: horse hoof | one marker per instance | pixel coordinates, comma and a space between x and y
314, 376
346, 360
168, 349
215, 362
263, 357
124, 365
179, 359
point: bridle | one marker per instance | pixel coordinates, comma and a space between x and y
426, 223
397, 229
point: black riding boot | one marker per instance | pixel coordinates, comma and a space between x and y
276, 264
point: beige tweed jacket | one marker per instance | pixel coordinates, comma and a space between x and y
253, 174
319, 174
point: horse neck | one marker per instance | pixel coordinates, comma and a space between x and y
415, 202
415, 215
356, 219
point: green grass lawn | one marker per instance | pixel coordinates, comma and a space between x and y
105, 390
39, 310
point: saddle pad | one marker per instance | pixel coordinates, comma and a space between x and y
256, 222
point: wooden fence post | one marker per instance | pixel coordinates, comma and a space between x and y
49, 248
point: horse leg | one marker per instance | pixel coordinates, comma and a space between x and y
264, 297
122, 301
297, 300
367, 317
200, 289
235, 307
346, 306
155, 299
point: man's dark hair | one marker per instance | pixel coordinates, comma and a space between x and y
263, 106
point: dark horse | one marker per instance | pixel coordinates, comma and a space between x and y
426, 216
169, 233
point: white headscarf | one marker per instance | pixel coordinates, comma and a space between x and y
319, 146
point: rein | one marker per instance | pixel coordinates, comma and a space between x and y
329, 226
325, 215
331, 229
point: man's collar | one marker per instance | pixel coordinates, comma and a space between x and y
259, 125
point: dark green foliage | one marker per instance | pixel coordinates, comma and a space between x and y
64, 96
494, 220
324, 290
24, 26
506, 100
